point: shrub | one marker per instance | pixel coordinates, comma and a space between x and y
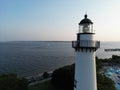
63, 78
45, 75
12, 82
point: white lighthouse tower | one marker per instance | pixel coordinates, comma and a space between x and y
85, 65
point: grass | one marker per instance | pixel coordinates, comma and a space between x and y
42, 86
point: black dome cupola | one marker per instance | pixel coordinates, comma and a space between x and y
85, 20
86, 25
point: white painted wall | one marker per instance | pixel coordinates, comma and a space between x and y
85, 71
86, 37
87, 40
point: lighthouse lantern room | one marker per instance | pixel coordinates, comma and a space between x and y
85, 65
86, 26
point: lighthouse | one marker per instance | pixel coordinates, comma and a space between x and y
85, 65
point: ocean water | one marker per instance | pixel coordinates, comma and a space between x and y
108, 45
31, 58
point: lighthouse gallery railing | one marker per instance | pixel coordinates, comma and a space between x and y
85, 44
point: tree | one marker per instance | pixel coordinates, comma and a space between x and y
63, 78
12, 82
22, 84
45, 75
104, 83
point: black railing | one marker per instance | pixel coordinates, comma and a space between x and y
86, 44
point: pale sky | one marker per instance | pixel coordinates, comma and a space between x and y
57, 20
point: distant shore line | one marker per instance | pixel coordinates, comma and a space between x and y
35, 41
116, 49
37, 78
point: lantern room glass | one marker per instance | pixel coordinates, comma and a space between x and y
86, 28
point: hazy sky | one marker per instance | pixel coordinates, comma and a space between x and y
36, 20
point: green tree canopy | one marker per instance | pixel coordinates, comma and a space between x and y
63, 78
12, 82
45, 75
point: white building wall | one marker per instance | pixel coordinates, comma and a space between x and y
85, 71
87, 40
86, 37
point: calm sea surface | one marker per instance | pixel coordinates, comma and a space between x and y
31, 58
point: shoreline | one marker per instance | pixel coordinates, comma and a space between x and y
37, 78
